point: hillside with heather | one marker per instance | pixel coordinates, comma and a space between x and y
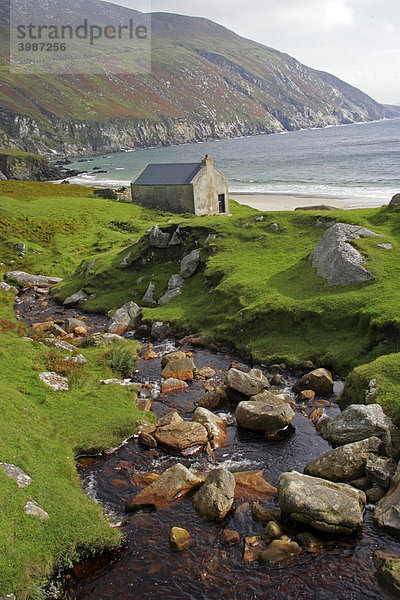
206, 83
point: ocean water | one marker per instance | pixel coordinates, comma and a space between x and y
358, 162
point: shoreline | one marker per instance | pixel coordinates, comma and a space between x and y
288, 202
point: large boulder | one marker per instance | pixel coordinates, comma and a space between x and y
173, 485
357, 422
345, 463
179, 368
246, 384
269, 415
326, 506
336, 260
319, 381
22, 278
215, 497
215, 426
388, 567
126, 317
185, 437
189, 264
387, 513
176, 355
159, 239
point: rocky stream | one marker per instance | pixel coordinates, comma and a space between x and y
221, 557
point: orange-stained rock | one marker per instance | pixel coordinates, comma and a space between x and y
149, 354
316, 414
306, 396
80, 330
181, 368
253, 546
251, 485
172, 385
182, 437
46, 326
142, 480
172, 486
206, 372
229, 538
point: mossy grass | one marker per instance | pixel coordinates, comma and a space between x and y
42, 432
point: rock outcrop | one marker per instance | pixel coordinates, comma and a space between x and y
22, 279
336, 260
126, 317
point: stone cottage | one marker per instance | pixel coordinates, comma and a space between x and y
198, 188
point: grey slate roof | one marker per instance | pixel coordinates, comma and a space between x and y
168, 174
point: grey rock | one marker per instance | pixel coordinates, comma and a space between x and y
34, 509
3, 178
102, 339
55, 381
17, 474
375, 494
79, 359
215, 426
160, 330
326, 506
247, 384
23, 278
80, 296
61, 344
169, 295
72, 324
336, 260
8, 288
269, 415
159, 239
211, 238
189, 264
120, 382
148, 297
57, 330
176, 239
126, 317
215, 497
175, 282
385, 246
344, 463
380, 471
20, 247
387, 513
90, 268
371, 392
357, 422
274, 227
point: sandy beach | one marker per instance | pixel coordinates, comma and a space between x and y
275, 202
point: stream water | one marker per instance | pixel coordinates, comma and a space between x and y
146, 568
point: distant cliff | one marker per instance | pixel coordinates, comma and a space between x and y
23, 166
206, 83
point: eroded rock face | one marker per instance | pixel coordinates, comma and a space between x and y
215, 426
336, 260
173, 485
387, 513
245, 383
126, 317
326, 506
357, 422
215, 497
183, 437
268, 416
345, 463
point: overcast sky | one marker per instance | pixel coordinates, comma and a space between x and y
357, 40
